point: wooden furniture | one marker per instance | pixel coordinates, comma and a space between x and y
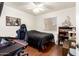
63, 34
72, 43
72, 39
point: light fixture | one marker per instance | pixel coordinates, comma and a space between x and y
38, 10
36, 7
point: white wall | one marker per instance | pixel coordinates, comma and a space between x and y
61, 16
33, 22
77, 22
26, 18
77, 28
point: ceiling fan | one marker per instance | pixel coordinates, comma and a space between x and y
36, 7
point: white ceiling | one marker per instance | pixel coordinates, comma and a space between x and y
48, 6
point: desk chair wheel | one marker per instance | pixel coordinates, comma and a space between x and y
21, 53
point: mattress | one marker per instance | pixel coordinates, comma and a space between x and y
39, 38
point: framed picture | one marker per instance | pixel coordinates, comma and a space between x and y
50, 24
13, 21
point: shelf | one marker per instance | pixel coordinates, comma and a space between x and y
63, 33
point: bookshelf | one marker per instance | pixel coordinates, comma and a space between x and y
63, 34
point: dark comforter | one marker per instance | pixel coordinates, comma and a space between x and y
38, 39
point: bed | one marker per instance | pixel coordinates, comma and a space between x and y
39, 39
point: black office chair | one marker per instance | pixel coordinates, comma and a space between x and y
22, 33
22, 36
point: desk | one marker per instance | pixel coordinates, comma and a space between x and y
8, 51
15, 46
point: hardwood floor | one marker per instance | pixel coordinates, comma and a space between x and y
53, 50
